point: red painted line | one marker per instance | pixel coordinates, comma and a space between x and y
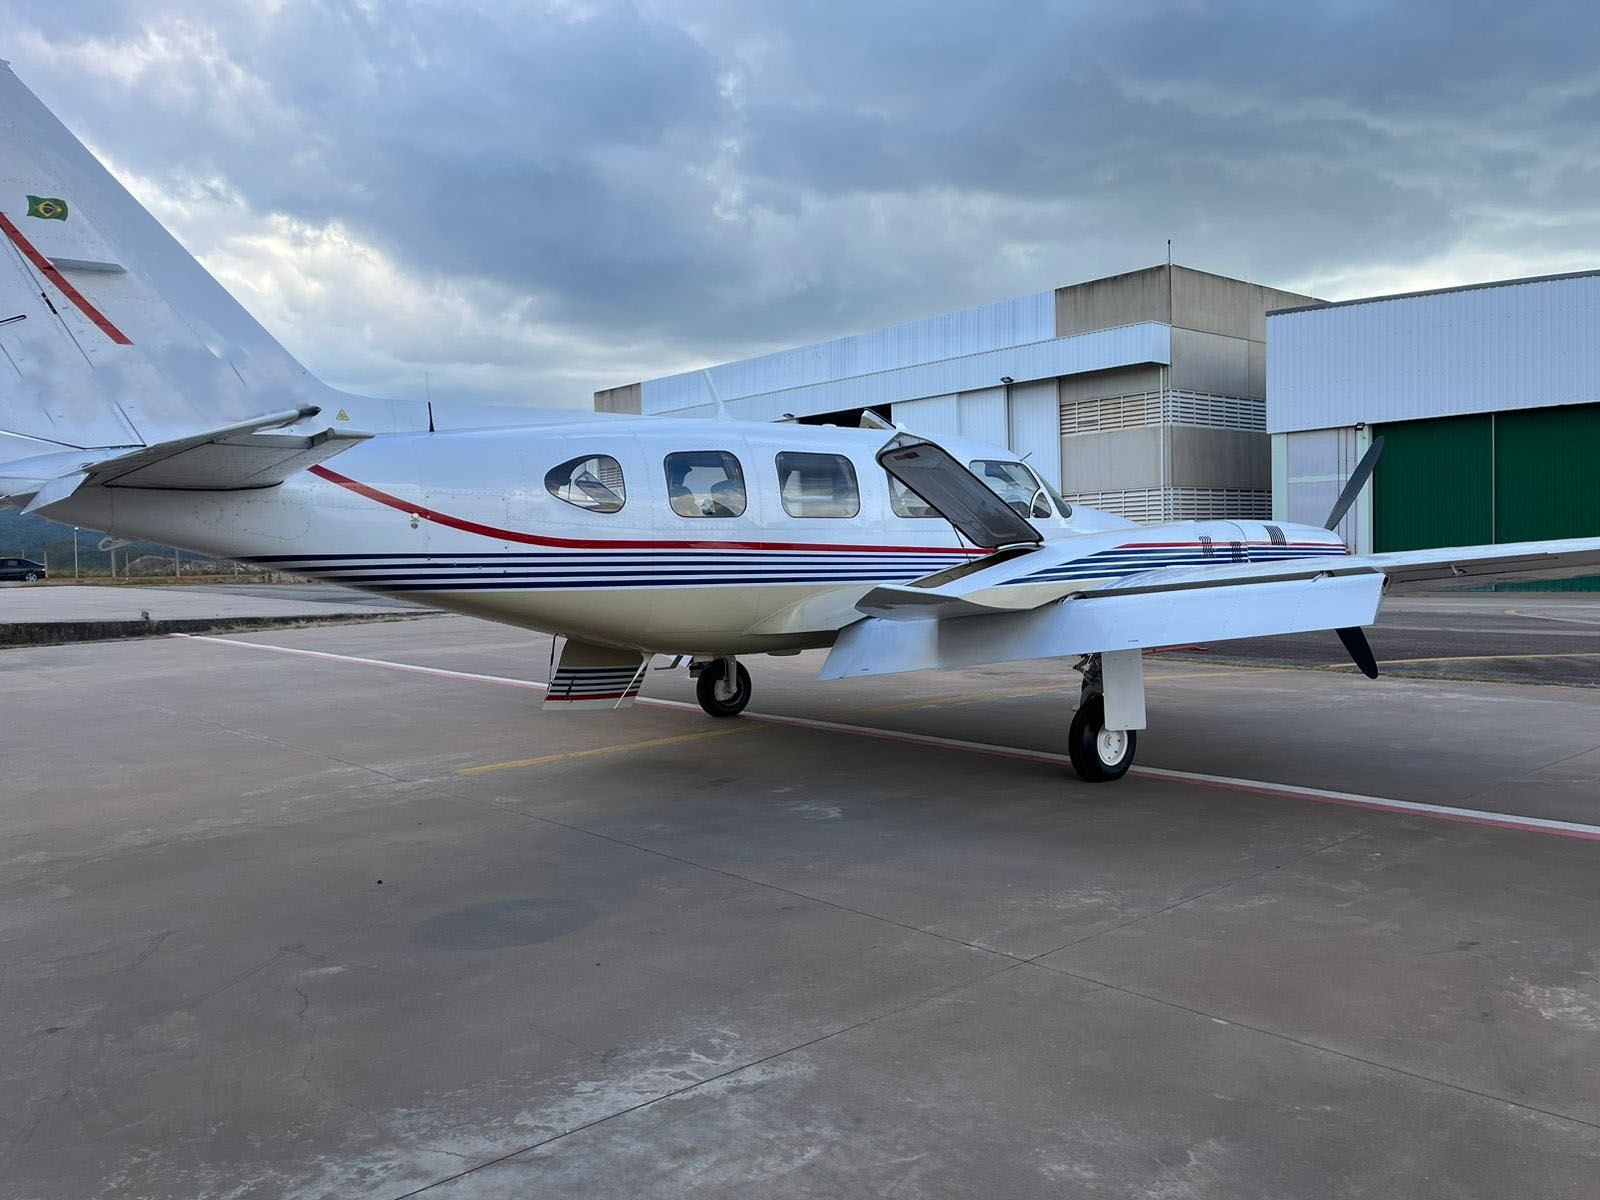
535, 539
48, 269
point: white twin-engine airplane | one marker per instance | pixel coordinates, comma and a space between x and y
138, 398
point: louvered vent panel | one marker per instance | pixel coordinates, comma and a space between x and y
1183, 504
1147, 408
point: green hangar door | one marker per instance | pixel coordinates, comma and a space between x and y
1499, 477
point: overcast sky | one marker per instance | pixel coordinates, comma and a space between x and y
528, 201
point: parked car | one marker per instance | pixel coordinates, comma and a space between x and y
24, 569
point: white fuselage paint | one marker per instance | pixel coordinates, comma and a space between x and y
462, 520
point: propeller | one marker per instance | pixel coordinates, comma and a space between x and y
1359, 649
1355, 638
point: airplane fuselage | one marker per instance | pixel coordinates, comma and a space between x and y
643, 551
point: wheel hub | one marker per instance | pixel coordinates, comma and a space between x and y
1111, 745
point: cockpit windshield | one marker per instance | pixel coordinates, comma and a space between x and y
1018, 486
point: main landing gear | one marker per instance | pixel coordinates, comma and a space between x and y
722, 685
1103, 738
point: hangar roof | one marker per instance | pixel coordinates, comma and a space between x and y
1510, 344
1444, 291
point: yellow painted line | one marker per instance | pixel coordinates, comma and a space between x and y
1517, 612
1406, 662
595, 752
1401, 662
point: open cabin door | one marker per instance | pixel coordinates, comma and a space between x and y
956, 494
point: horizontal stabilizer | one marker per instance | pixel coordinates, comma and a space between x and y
225, 463
236, 457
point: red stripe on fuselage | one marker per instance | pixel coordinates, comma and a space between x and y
535, 539
48, 270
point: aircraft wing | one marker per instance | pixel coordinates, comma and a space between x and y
1044, 602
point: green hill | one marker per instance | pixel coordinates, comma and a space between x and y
50, 542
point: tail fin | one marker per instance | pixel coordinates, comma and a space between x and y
111, 334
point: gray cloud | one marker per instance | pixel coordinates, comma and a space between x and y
699, 180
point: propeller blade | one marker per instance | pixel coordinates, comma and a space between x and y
1358, 480
1359, 649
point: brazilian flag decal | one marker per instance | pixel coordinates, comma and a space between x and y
47, 207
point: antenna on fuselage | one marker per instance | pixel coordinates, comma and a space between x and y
718, 410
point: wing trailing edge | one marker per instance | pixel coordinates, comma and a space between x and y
1106, 623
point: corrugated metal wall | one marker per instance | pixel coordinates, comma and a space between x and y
1434, 485
1505, 477
1108, 349
1546, 481
1548, 477
980, 415
1488, 349
1035, 420
1317, 465
1029, 428
952, 335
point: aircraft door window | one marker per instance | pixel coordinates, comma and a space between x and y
905, 502
1014, 484
818, 485
592, 482
705, 483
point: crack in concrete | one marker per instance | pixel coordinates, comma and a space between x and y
714, 1078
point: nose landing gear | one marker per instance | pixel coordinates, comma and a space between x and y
722, 686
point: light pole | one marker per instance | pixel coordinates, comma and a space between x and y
74, 551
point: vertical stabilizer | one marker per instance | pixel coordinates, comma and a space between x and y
111, 334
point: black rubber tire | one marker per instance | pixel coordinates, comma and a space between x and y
31, 577
1089, 720
705, 690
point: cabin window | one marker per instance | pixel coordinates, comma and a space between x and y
592, 482
1014, 484
818, 485
705, 483
905, 502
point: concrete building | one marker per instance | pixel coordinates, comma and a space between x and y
1487, 396
1143, 394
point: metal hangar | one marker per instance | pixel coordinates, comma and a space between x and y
1488, 399
1143, 394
